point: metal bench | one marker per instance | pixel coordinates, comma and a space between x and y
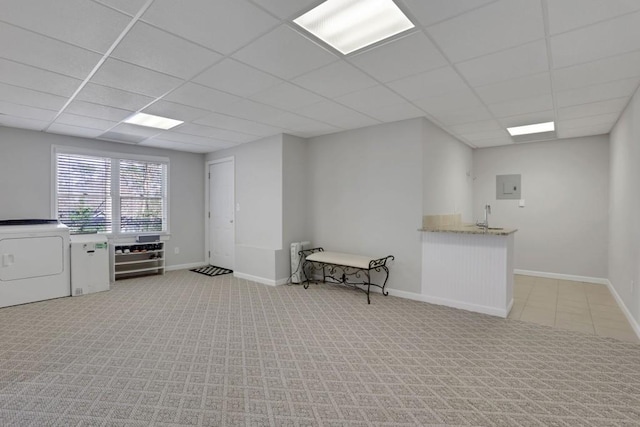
346, 269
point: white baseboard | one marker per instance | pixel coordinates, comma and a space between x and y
574, 278
633, 322
184, 266
450, 303
261, 280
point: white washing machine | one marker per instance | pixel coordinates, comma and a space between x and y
89, 264
34, 261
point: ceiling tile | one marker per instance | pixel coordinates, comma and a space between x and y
598, 120
432, 11
520, 61
449, 101
236, 78
527, 119
480, 136
296, 123
201, 97
22, 96
193, 139
112, 97
85, 122
394, 113
564, 15
522, 106
430, 84
88, 109
160, 51
370, 99
180, 146
234, 123
408, 55
335, 79
125, 76
496, 142
26, 112
25, 76
287, 97
216, 133
469, 128
83, 23
284, 9
130, 7
250, 110
337, 115
135, 130
596, 72
221, 25
460, 115
39, 51
175, 111
613, 37
500, 25
285, 53
74, 131
584, 131
523, 87
593, 109
21, 123
601, 92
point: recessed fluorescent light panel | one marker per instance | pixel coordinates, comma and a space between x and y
529, 129
349, 25
152, 121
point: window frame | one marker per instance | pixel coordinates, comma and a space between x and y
115, 158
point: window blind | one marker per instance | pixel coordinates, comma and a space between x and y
142, 196
84, 193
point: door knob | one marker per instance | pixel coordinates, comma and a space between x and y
231, 221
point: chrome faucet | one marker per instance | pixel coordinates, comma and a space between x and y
485, 224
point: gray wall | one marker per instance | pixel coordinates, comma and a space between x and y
25, 185
447, 182
258, 191
563, 228
366, 191
624, 222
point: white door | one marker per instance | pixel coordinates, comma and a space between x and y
221, 226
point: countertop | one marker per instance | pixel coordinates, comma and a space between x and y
469, 229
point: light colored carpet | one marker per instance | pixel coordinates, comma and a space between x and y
187, 349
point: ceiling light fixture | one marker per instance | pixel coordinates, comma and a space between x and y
148, 120
534, 128
349, 25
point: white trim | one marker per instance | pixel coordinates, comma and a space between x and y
184, 266
111, 154
633, 322
207, 205
449, 303
574, 278
262, 280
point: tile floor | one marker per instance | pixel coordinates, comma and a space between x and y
578, 306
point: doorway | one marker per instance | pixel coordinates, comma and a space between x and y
221, 183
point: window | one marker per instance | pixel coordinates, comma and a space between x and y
110, 193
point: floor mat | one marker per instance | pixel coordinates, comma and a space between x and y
212, 270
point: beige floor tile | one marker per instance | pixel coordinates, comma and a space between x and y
516, 310
521, 279
569, 284
612, 314
601, 299
543, 281
572, 296
574, 317
540, 316
586, 328
548, 304
592, 288
621, 325
617, 334
572, 309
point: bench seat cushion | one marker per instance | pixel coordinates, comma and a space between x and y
349, 260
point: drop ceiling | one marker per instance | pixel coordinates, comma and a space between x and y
239, 70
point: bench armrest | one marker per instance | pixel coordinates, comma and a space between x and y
377, 263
